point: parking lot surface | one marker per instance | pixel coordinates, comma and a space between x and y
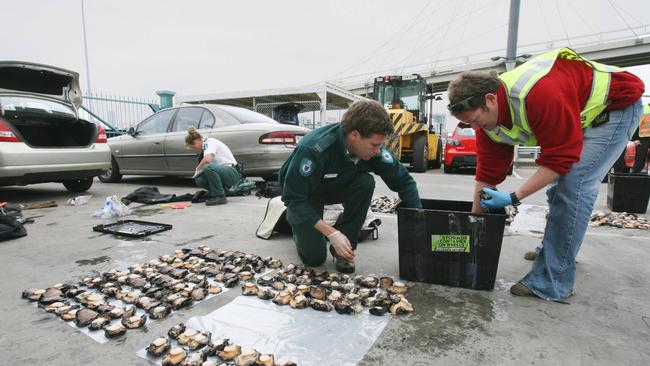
606, 322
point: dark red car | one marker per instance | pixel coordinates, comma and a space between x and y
460, 150
630, 154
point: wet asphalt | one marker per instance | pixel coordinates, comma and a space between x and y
606, 322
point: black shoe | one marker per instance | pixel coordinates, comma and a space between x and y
218, 200
342, 265
199, 196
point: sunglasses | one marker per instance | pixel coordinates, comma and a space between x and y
462, 105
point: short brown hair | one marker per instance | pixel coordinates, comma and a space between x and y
192, 135
368, 117
470, 84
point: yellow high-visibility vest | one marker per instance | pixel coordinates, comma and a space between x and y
521, 80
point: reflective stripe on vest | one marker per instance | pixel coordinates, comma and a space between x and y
521, 80
644, 123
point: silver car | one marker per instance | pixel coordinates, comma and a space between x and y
42, 138
156, 146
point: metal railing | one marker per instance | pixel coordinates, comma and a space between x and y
116, 113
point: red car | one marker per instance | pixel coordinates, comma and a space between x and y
460, 150
630, 154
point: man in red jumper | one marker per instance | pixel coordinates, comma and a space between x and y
581, 113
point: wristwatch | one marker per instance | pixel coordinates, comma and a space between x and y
514, 199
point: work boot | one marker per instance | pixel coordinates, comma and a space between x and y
519, 289
530, 256
342, 265
216, 200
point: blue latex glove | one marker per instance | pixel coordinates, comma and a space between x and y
497, 199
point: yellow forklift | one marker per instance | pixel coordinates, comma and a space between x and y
414, 140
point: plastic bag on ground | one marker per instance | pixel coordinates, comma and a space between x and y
113, 207
79, 200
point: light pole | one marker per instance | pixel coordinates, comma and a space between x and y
83, 23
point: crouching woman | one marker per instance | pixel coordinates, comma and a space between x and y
217, 170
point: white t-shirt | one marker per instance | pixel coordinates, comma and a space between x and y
221, 152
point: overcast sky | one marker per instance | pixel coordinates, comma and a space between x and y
201, 47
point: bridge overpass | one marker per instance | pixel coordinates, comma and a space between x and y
623, 53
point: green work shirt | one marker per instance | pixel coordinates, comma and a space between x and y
321, 163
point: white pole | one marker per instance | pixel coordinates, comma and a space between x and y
83, 23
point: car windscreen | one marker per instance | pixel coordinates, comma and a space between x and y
465, 131
34, 106
246, 116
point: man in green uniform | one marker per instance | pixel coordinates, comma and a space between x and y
331, 165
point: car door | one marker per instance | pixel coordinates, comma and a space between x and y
180, 159
144, 151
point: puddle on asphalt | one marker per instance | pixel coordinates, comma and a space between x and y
530, 217
93, 261
442, 320
146, 212
194, 240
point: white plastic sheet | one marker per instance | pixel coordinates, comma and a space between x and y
306, 336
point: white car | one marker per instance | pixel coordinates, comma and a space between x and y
156, 146
42, 138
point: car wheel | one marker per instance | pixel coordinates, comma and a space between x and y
448, 169
420, 154
78, 185
435, 164
112, 175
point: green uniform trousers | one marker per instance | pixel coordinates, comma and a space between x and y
216, 178
355, 197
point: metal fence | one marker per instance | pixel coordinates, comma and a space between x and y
115, 112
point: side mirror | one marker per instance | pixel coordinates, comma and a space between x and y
131, 131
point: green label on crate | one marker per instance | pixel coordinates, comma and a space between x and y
450, 243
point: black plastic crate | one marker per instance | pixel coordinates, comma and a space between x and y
132, 228
444, 243
628, 192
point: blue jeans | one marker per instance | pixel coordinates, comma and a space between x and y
571, 199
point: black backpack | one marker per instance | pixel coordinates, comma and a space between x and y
10, 227
269, 190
